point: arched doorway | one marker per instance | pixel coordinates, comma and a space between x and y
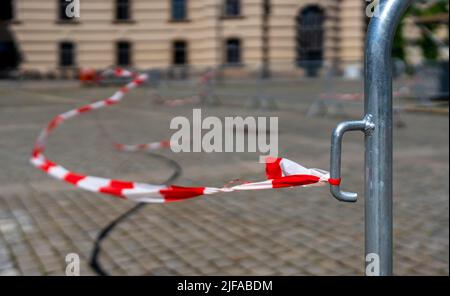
310, 39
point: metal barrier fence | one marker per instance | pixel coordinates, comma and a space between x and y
329, 94
425, 82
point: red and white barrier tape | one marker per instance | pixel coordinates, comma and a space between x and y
280, 172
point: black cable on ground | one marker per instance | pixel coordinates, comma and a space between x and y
105, 232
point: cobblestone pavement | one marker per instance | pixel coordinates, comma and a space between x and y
283, 232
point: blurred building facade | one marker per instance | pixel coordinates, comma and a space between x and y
238, 35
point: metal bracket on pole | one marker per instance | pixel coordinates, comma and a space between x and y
366, 125
377, 125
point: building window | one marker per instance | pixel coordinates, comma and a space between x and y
9, 56
232, 8
66, 54
63, 15
6, 10
179, 10
310, 35
123, 53
123, 10
233, 51
267, 7
180, 53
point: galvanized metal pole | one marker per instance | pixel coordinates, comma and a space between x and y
378, 157
377, 126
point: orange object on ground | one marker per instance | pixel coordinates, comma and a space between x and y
88, 76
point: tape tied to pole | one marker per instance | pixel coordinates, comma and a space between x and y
280, 172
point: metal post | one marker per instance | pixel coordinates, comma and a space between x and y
378, 103
377, 125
